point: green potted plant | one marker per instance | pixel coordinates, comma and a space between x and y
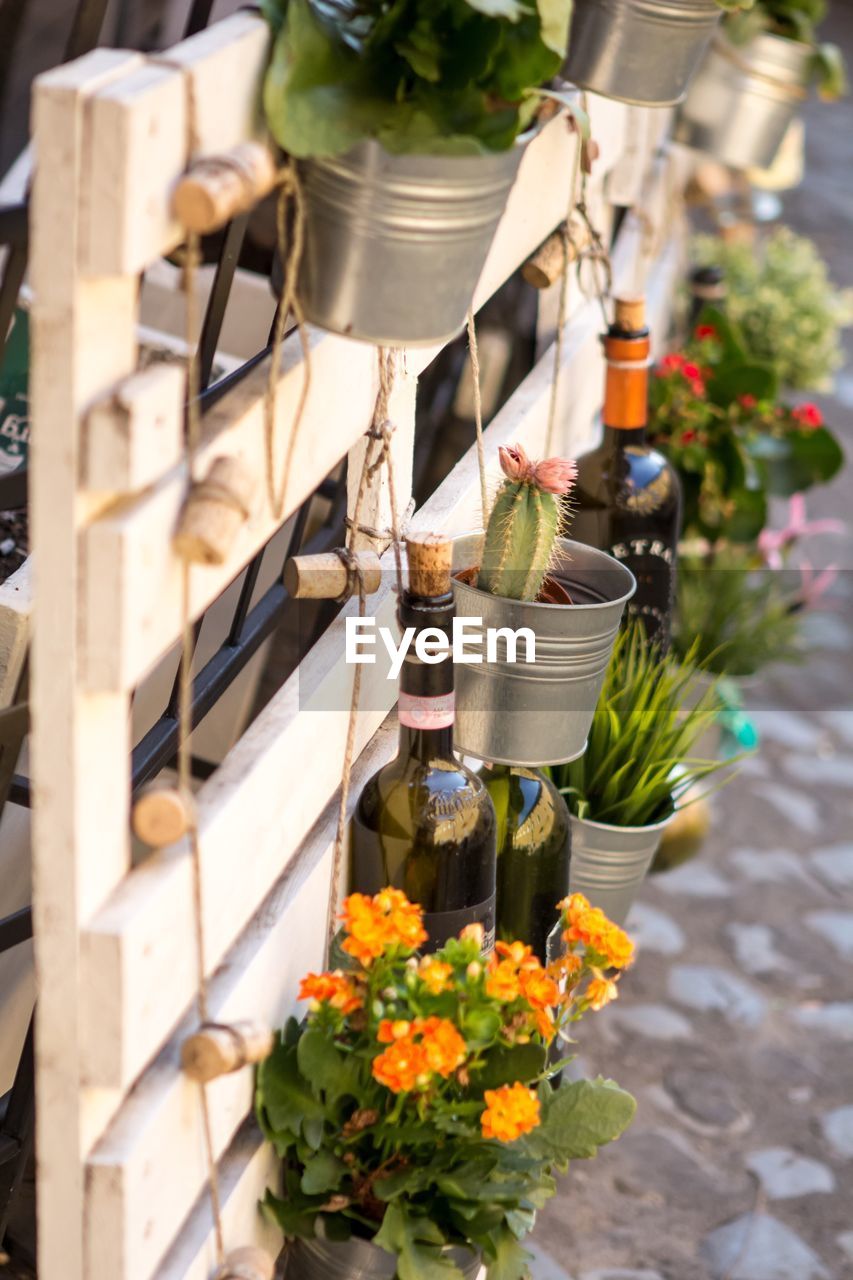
638, 765
787, 312
640, 51
408, 124
715, 413
415, 1108
524, 575
754, 76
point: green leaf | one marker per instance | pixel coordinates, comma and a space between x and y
506, 1064
481, 1026
284, 1097
555, 17
292, 1219
510, 1261
323, 1172
330, 1071
580, 1117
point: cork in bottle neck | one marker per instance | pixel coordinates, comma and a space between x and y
626, 350
430, 557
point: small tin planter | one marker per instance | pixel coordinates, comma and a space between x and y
609, 864
395, 244
743, 99
538, 713
639, 51
358, 1260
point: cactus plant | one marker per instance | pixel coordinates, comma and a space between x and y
524, 524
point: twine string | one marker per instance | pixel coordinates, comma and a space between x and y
474, 351
376, 454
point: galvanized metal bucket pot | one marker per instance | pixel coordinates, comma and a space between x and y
609, 864
639, 51
538, 713
357, 1260
743, 100
394, 244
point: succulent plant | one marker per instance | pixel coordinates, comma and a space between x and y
524, 524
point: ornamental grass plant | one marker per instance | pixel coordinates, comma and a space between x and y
414, 1106
638, 761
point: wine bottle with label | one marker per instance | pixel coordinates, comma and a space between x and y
534, 850
627, 498
425, 823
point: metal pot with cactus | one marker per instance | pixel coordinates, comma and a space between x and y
754, 78
529, 703
638, 767
407, 124
640, 51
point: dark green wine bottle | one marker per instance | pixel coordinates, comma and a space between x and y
425, 823
534, 850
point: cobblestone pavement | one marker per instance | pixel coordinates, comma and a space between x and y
734, 1029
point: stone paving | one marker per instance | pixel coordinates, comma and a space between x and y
734, 1029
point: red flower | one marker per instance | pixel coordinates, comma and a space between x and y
746, 401
688, 436
808, 415
670, 364
703, 331
692, 371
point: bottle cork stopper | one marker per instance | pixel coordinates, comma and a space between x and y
430, 561
630, 314
159, 816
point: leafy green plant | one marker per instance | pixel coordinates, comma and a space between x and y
795, 20
453, 76
714, 413
414, 1106
787, 311
734, 616
638, 762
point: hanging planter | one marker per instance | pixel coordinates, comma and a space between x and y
540, 712
609, 864
639, 51
356, 1259
407, 129
641, 760
743, 99
394, 244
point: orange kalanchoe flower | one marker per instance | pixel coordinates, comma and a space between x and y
390, 1031
401, 1066
511, 1111
375, 924
335, 989
591, 927
444, 1047
601, 991
502, 982
435, 974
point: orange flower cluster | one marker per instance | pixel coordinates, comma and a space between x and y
590, 926
601, 990
335, 989
515, 973
511, 1111
435, 974
417, 1051
375, 924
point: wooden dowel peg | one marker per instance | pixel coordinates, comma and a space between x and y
331, 575
160, 816
545, 266
217, 1049
217, 188
215, 509
247, 1263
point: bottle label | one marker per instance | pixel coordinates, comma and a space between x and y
425, 713
441, 926
651, 562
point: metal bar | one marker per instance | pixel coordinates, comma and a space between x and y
214, 314
16, 1132
19, 791
11, 16
16, 928
14, 224
85, 29
199, 17
214, 394
248, 587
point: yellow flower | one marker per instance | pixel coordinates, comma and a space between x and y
511, 1111
435, 974
601, 990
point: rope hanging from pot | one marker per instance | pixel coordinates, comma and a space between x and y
376, 455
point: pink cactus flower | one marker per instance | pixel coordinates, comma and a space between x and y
815, 585
552, 475
772, 543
